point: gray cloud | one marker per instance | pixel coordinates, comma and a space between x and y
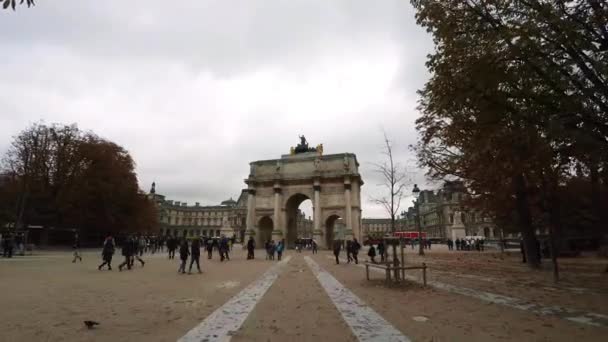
195, 90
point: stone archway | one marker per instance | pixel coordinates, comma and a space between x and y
266, 226
486, 232
330, 230
291, 208
277, 187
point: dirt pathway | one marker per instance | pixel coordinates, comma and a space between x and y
433, 315
295, 308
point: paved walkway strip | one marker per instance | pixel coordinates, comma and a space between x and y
365, 323
589, 318
228, 318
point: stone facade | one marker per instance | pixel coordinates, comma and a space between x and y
180, 219
445, 215
380, 227
277, 187
304, 226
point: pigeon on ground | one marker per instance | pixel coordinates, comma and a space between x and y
90, 324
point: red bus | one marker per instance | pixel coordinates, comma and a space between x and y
409, 235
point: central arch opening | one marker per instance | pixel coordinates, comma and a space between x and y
265, 227
334, 230
299, 219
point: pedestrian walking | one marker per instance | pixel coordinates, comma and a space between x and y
127, 252
280, 248
107, 252
314, 247
224, 249
372, 253
458, 244
337, 247
209, 248
267, 248
76, 248
250, 248
381, 250
349, 252
272, 249
138, 248
7, 246
195, 255
171, 246
355, 247
183, 256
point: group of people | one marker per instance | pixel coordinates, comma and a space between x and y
352, 250
133, 247
12, 243
273, 248
223, 245
371, 253
466, 244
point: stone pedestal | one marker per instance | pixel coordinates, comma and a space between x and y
227, 231
458, 232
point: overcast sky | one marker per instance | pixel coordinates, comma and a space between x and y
195, 89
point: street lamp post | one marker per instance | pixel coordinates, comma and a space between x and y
416, 193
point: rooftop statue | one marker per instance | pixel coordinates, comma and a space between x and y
303, 146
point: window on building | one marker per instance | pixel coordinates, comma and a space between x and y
191, 232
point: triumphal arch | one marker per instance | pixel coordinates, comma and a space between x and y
277, 187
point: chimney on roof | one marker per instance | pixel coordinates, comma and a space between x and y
184, 204
177, 203
170, 202
197, 204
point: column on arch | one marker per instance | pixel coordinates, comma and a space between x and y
317, 214
250, 221
277, 213
347, 200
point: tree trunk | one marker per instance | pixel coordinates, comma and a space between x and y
596, 204
525, 222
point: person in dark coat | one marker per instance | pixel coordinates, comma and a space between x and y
349, 251
76, 248
195, 255
224, 249
314, 247
107, 252
355, 246
381, 250
250, 248
127, 252
522, 250
7, 246
337, 247
183, 255
372, 253
209, 248
171, 246
458, 244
